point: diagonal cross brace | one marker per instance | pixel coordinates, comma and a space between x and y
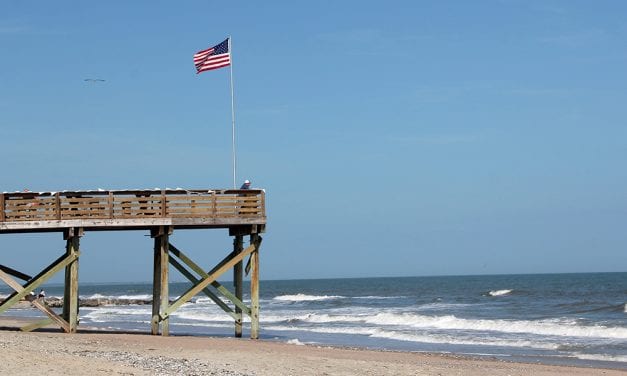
15, 273
196, 268
206, 290
42, 306
222, 267
38, 280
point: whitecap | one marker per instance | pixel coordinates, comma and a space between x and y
202, 316
108, 314
206, 324
112, 311
95, 296
499, 292
306, 298
442, 306
379, 297
134, 297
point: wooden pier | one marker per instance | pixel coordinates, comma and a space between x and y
160, 212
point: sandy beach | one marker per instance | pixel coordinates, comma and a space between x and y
96, 353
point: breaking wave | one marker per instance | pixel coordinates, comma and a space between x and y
449, 322
378, 297
426, 338
443, 306
499, 292
306, 298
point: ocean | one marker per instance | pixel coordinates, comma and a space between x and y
576, 319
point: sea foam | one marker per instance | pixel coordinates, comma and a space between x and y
605, 358
422, 338
499, 292
306, 298
202, 316
451, 322
295, 341
120, 298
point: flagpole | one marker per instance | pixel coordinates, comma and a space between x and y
233, 116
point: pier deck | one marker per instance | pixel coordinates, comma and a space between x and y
161, 212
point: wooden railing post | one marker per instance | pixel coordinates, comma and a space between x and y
110, 204
57, 206
2, 207
214, 204
164, 208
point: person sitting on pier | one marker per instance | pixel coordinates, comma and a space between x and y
42, 294
242, 202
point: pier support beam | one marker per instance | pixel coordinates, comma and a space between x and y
160, 293
72, 237
238, 281
255, 239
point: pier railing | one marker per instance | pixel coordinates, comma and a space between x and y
248, 205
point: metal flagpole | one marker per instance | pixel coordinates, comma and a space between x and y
233, 116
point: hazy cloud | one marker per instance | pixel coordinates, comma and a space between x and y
360, 36
576, 39
444, 94
13, 27
437, 139
537, 6
7, 29
544, 7
447, 94
438, 95
542, 92
365, 41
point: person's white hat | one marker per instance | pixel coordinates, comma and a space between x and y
246, 181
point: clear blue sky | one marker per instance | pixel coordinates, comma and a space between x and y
405, 138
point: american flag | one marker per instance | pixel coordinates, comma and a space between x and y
213, 58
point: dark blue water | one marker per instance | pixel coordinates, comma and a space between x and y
553, 318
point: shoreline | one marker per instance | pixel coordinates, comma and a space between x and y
106, 352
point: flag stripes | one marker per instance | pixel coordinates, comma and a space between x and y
215, 57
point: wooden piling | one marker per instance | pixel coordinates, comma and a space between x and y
160, 293
238, 280
254, 287
70, 294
